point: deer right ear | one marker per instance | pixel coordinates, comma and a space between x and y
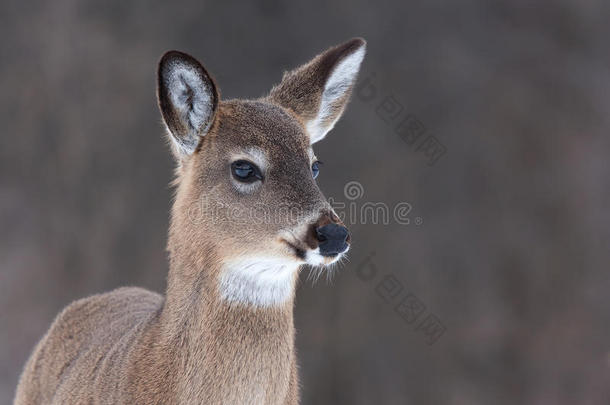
188, 100
318, 91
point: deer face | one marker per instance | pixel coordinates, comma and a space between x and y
246, 170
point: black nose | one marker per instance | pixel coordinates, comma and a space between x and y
333, 239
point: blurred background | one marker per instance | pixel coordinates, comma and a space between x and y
490, 118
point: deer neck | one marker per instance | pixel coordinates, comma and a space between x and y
225, 343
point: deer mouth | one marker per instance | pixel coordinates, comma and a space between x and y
315, 257
298, 251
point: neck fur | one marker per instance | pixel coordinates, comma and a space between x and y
229, 324
258, 282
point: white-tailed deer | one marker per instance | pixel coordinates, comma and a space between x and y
223, 333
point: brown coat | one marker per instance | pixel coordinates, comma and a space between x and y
213, 338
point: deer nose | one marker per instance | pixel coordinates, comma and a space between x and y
333, 239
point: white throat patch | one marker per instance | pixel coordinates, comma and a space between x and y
258, 281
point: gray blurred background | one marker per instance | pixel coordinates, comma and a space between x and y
508, 241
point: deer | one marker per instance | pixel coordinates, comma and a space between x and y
223, 333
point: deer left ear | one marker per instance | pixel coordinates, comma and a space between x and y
188, 100
319, 90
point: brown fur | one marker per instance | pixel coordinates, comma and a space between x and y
132, 346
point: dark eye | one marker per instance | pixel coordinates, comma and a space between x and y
245, 171
315, 169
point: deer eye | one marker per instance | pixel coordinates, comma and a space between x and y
315, 169
245, 171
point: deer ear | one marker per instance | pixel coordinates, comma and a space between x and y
319, 90
188, 100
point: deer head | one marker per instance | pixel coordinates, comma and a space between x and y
248, 212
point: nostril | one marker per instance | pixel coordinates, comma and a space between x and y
320, 236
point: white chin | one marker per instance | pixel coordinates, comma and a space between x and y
314, 258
